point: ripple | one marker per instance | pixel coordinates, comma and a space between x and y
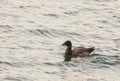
70, 64
106, 61
105, 0
62, 64
17, 79
20, 64
52, 15
7, 63
71, 13
51, 64
11, 15
26, 47
92, 80
5, 28
51, 33
117, 42
95, 61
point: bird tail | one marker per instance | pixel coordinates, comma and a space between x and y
91, 49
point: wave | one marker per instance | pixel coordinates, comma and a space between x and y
51, 33
5, 28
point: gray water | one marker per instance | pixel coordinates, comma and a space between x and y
32, 31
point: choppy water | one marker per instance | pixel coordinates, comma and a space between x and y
32, 31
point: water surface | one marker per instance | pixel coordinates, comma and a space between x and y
32, 31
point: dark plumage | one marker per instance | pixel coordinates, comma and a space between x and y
79, 51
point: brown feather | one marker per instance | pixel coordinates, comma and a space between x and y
79, 51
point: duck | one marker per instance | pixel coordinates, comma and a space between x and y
78, 51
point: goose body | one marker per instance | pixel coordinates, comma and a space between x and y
78, 51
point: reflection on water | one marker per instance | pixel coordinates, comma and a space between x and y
67, 57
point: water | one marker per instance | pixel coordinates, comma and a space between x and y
32, 31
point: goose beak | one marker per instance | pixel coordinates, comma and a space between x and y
63, 44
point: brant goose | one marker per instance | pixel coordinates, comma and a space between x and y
79, 51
